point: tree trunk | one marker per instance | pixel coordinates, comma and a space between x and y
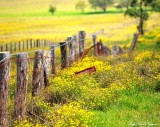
104, 9
140, 27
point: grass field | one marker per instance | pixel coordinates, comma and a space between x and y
21, 20
124, 90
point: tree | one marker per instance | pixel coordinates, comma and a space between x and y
138, 10
103, 4
52, 9
124, 3
156, 5
80, 5
93, 4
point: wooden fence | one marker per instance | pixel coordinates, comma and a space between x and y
36, 70
24, 45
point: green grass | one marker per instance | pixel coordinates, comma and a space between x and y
131, 108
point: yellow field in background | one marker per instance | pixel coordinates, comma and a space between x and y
110, 26
114, 27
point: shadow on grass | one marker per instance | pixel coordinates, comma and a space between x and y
107, 12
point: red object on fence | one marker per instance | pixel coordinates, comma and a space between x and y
86, 71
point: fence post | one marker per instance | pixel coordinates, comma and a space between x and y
46, 65
45, 43
37, 81
4, 84
82, 35
39, 43
36, 43
19, 45
71, 50
30, 43
134, 41
21, 86
75, 48
6, 47
11, 47
63, 48
23, 45
94, 37
15, 46
53, 59
27, 44
1, 48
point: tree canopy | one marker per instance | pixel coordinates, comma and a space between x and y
103, 4
81, 5
138, 9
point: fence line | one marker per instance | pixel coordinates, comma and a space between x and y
39, 69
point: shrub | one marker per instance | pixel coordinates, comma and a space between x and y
52, 9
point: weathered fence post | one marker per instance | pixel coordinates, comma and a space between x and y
63, 48
1, 48
27, 44
53, 59
11, 47
37, 81
36, 43
15, 46
46, 65
6, 47
75, 47
21, 88
39, 43
134, 41
94, 37
19, 45
4, 84
71, 56
44, 43
82, 35
31, 43
23, 45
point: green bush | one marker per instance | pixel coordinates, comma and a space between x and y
52, 9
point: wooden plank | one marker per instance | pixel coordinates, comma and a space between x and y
86, 71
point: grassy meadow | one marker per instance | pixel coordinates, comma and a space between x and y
123, 92
20, 20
